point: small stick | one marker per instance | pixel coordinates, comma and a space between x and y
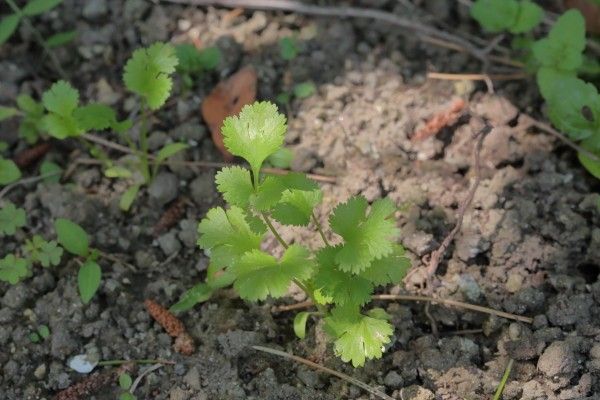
437, 255
475, 77
141, 376
26, 181
402, 297
322, 368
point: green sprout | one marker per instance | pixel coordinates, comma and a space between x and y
339, 279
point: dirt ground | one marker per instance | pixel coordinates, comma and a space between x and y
530, 242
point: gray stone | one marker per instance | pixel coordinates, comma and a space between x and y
62, 343
558, 359
94, 9
236, 342
169, 244
16, 296
157, 140
192, 379
202, 188
164, 188
568, 310
309, 377
522, 349
190, 131
469, 287
393, 380
189, 232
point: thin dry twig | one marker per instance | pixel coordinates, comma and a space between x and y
428, 299
410, 27
437, 255
26, 181
322, 368
141, 376
476, 77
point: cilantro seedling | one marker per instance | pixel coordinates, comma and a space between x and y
339, 279
288, 48
11, 218
13, 269
193, 62
43, 252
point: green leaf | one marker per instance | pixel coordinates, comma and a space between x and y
218, 278
11, 218
147, 73
282, 158
169, 150
300, 324
573, 104
88, 280
46, 253
342, 287
227, 235
9, 172
61, 38
28, 105
235, 184
255, 134
259, 274
127, 396
13, 269
192, 60
61, 127
117, 171
197, 294
529, 16
288, 48
36, 7
125, 381
128, 197
591, 165
304, 90
72, 237
34, 337
390, 269
366, 237
7, 112
495, 15
61, 99
44, 331
94, 116
8, 25
271, 190
358, 337
51, 170
563, 48
296, 207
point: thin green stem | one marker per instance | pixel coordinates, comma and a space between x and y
142, 361
320, 229
40, 39
273, 230
143, 148
500, 389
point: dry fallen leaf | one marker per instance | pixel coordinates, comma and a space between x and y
227, 99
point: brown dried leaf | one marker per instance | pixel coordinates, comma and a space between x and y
165, 318
227, 99
28, 156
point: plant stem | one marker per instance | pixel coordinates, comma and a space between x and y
273, 230
143, 148
320, 229
39, 38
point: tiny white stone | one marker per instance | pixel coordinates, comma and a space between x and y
82, 363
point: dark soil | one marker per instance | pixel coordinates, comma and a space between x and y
530, 242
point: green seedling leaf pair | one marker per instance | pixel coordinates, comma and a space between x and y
193, 62
75, 240
507, 15
339, 279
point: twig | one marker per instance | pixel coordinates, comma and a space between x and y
26, 181
409, 27
437, 255
141, 376
549, 129
407, 297
322, 368
475, 77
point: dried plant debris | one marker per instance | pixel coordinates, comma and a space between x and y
184, 343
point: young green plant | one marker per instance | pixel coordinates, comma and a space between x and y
339, 278
573, 105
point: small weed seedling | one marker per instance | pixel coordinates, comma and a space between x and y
339, 278
194, 62
15, 267
573, 105
125, 383
59, 115
288, 51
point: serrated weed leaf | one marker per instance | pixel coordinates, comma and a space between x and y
296, 207
366, 237
495, 15
358, 337
563, 48
95, 116
11, 218
388, 270
147, 73
9, 172
255, 134
13, 269
528, 17
259, 275
61, 99
227, 235
36, 7
8, 25
235, 184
